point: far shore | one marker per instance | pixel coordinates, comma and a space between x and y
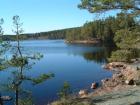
95, 41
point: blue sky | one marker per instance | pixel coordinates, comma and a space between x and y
43, 15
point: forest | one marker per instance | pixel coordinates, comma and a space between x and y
103, 29
26, 66
121, 32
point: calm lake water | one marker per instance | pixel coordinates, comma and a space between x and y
78, 64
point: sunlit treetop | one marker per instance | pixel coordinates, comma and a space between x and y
97, 6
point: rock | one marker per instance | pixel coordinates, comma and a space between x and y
128, 67
83, 93
113, 65
137, 68
130, 82
134, 60
94, 85
117, 76
118, 64
109, 67
104, 81
127, 82
124, 67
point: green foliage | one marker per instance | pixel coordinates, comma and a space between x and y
18, 25
1, 29
87, 31
104, 29
42, 78
65, 91
4, 46
121, 55
126, 39
56, 34
27, 101
98, 6
125, 20
125, 30
2, 67
73, 34
18, 61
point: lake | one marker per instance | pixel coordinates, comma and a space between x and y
78, 64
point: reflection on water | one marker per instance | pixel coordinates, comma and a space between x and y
78, 64
99, 56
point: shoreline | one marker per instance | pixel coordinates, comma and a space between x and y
92, 41
125, 76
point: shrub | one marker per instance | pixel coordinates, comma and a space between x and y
121, 55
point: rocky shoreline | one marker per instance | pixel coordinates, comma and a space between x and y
125, 76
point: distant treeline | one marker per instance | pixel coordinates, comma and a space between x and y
103, 29
56, 34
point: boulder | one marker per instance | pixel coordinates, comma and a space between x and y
108, 66
83, 93
94, 85
111, 66
104, 81
137, 68
133, 60
117, 76
130, 82
118, 64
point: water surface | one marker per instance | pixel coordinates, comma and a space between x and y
78, 64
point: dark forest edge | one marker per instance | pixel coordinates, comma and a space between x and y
98, 31
111, 32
